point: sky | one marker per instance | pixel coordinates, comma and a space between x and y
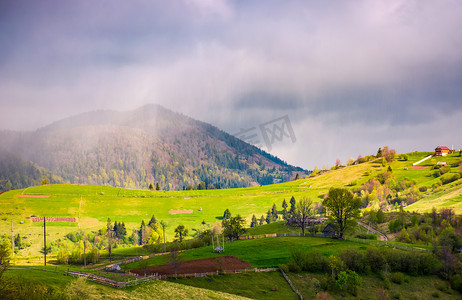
347, 76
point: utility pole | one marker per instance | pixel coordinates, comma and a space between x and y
45, 239
84, 252
12, 237
163, 229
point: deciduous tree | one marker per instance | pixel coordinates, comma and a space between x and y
181, 232
341, 208
235, 227
303, 211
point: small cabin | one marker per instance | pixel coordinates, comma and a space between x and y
329, 231
114, 267
442, 151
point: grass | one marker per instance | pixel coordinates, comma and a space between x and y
153, 290
428, 286
276, 227
265, 285
92, 205
262, 253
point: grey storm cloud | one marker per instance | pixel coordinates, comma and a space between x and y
351, 75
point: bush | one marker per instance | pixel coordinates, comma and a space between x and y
315, 285
456, 282
349, 281
399, 278
423, 189
284, 267
448, 178
395, 226
293, 267
375, 259
366, 236
354, 260
314, 262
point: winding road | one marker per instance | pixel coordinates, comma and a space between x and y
383, 237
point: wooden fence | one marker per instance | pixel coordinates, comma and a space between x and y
385, 243
263, 236
291, 284
252, 270
110, 282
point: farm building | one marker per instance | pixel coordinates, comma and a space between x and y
442, 151
329, 231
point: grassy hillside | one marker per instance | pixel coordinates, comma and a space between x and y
263, 253
155, 290
92, 205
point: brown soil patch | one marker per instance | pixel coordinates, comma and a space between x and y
180, 211
205, 265
53, 219
417, 167
33, 196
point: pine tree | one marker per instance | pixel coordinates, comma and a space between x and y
269, 217
109, 225
262, 220
142, 233
122, 230
152, 223
292, 207
157, 187
116, 229
284, 209
151, 187
274, 213
226, 215
254, 222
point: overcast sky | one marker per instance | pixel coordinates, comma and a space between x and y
351, 76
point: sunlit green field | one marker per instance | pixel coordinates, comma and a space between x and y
263, 253
92, 205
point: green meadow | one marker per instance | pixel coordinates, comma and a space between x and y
92, 205
262, 253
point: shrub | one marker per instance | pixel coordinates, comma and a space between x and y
395, 226
314, 262
316, 285
375, 259
349, 281
293, 267
448, 178
436, 173
423, 189
366, 236
456, 282
354, 260
399, 278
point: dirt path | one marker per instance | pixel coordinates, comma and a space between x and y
383, 237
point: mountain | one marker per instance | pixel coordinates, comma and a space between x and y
133, 149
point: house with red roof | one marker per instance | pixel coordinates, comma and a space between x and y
442, 151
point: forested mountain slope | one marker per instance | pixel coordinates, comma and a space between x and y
133, 149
